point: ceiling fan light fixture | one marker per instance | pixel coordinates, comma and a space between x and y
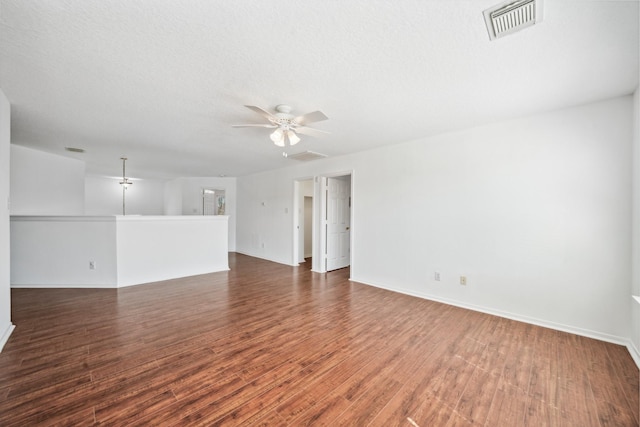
287, 126
293, 138
277, 137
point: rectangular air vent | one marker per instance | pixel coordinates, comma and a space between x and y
74, 149
306, 156
509, 17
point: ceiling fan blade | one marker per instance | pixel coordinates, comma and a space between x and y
310, 131
255, 125
316, 116
263, 113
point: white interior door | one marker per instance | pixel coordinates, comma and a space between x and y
338, 222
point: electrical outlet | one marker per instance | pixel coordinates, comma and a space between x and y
92, 265
436, 276
463, 280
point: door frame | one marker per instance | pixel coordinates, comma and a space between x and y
213, 190
296, 218
318, 234
319, 222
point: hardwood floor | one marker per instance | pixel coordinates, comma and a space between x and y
266, 344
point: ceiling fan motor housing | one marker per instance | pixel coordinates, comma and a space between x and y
284, 117
285, 120
283, 108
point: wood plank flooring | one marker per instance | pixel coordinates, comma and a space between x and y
270, 345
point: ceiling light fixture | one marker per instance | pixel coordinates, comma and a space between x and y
125, 181
293, 138
125, 184
280, 135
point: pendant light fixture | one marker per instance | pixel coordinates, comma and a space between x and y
125, 183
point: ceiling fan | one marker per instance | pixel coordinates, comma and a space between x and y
286, 125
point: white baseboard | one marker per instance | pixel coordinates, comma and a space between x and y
65, 286
6, 334
514, 316
277, 261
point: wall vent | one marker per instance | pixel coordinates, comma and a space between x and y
306, 156
508, 17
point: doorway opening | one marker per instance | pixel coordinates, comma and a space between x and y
331, 217
303, 221
213, 201
307, 237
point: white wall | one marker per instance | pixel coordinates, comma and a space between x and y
45, 184
173, 197
183, 196
56, 251
6, 327
535, 212
265, 220
103, 196
167, 247
635, 196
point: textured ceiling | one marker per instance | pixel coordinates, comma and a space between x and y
162, 81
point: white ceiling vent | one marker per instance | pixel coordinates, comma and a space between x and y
509, 17
306, 156
74, 149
